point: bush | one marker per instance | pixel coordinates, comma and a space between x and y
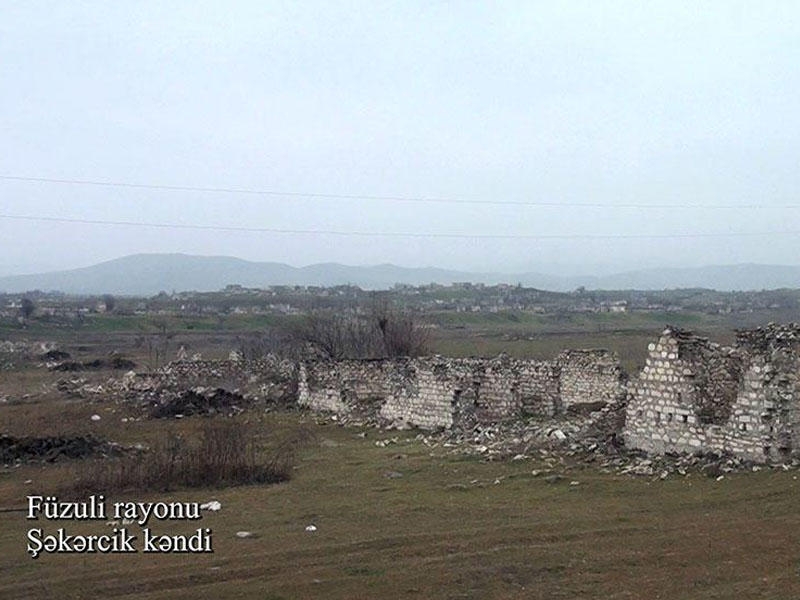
225, 454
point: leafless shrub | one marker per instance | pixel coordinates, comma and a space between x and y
280, 342
338, 336
225, 454
384, 332
400, 333
27, 308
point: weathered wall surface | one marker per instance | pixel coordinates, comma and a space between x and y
351, 384
267, 378
589, 376
696, 395
441, 392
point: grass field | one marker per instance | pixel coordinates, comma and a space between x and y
445, 529
442, 525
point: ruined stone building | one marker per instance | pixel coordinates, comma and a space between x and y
692, 395
696, 395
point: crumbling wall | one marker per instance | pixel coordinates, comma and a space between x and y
426, 394
342, 386
590, 376
538, 387
444, 392
269, 378
774, 391
694, 395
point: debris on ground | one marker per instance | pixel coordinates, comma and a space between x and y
573, 440
245, 534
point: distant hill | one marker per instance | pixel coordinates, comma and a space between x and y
147, 274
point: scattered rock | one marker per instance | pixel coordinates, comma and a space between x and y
246, 534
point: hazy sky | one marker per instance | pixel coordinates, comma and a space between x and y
649, 103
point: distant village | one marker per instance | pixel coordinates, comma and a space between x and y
431, 298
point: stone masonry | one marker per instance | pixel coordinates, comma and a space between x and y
692, 396
695, 395
439, 392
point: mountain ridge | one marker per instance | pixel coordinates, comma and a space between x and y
147, 274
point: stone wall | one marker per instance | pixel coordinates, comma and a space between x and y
341, 389
589, 376
427, 393
695, 395
444, 392
269, 378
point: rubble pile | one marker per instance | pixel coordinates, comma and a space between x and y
575, 441
198, 401
769, 338
51, 449
78, 387
11, 352
26, 349
186, 387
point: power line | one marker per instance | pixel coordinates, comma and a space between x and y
394, 234
421, 199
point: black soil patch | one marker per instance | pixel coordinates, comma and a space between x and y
55, 355
199, 402
50, 449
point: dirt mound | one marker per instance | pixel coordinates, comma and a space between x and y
55, 355
116, 362
51, 449
68, 366
199, 401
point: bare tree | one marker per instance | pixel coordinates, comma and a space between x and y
338, 336
400, 333
110, 302
384, 332
157, 343
259, 344
27, 308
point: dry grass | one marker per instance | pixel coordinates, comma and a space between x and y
443, 530
224, 452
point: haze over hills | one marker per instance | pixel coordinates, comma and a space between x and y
147, 274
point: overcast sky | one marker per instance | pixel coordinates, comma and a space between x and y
558, 102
